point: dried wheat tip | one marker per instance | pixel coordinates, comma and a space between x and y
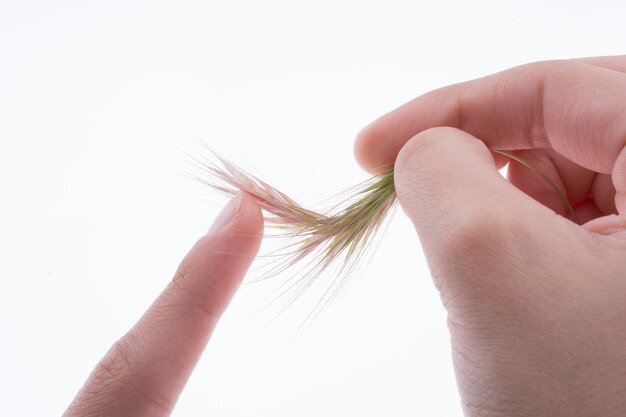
321, 240
318, 240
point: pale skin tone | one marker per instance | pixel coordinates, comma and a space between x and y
536, 304
145, 371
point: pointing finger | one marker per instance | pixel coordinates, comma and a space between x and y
145, 371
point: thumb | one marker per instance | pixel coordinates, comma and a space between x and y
479, 233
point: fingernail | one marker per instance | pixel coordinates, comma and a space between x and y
620, 202
226, 216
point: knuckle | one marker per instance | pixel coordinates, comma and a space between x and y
113, 368
106, 389
118, 384
184, 270
547, 67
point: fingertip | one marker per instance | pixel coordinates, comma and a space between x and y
362, 149
249, 222
372, 151
226, 252
249, 219
443, 175
240, 214
438, 153
242, 232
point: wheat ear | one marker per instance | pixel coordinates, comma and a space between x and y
339, 238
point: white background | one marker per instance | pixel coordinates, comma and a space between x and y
101, 100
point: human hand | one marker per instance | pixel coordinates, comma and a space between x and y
145, 371
536, 304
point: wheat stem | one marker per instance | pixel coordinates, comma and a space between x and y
544, 177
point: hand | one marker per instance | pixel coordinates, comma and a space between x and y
145, 371
536, 304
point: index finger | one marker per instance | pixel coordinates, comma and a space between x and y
576, 107
145, 371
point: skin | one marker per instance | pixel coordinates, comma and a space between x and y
535, 303
145, 371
